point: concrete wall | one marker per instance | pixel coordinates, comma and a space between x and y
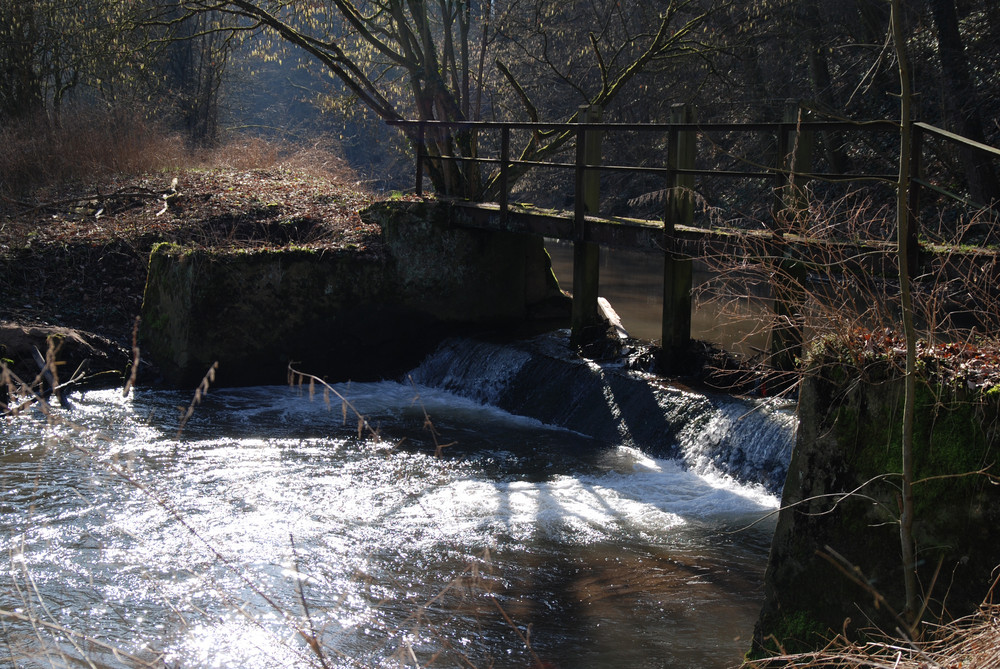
341, 314
835, 554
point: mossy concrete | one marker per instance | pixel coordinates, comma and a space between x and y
344, 314
835, 562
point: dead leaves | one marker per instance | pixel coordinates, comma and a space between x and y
973, 365
174, 207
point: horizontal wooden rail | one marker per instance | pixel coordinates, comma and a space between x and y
778, 128
958, 139
881, 125
640, 169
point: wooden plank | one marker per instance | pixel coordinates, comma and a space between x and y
694, 242
677, 270
958, 139
586, 252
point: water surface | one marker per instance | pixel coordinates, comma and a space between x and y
632, 281
269, 521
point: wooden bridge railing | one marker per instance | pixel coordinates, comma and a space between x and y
793, 138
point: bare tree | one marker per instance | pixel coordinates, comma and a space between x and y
195, 63
430, 60
51, 48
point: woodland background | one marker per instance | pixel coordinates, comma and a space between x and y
207, 72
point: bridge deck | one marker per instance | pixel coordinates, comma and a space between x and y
689, 241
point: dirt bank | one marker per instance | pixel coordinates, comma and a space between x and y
73, 259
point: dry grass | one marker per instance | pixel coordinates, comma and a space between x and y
319, 157
968, 643
87, 146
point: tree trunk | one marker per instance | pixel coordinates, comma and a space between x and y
961, 104
908, 549
821, 80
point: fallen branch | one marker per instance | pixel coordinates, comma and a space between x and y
144, 193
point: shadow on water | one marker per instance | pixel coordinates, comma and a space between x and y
589, 538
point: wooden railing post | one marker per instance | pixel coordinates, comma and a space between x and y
801, 159
421, 150
677, 270
586, 253
504, 170
795, 154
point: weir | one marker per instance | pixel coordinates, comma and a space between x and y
541, 378
431, 246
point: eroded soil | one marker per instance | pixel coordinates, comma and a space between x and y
75, 257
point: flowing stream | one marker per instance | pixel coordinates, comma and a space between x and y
459, 535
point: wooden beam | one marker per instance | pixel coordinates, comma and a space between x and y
677, 269
586, 252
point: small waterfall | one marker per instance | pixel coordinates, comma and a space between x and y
750, 440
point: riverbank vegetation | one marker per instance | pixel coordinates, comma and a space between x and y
972, 642
78, 218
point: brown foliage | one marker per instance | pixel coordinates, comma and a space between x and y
74, 242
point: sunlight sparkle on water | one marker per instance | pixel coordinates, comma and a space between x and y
266, 498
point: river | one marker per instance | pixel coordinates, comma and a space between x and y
270, 522
632, 281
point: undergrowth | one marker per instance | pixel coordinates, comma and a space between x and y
833, 277
972, 642
90, 146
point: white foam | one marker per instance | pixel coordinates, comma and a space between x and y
654, 499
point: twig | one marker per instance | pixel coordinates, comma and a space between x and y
312, 637
428, 425
135, 358
119, 654
199, 393
296, 377
122, 192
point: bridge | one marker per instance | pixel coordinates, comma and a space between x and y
781, 241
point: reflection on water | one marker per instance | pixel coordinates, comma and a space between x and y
633, 282
270, 522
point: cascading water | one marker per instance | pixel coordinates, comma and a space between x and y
750, 440
271, 523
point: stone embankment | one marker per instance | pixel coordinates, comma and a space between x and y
835, 564
341, 314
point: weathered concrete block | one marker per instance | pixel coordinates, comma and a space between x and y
836, 548
340, 314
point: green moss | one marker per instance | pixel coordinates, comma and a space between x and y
948, 441
796, 632
165, 247
158, 323
850, 439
